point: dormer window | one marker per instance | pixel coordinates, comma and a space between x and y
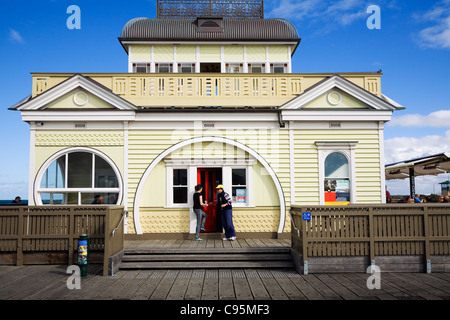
163, 67
256, 67
210, 24
141, 67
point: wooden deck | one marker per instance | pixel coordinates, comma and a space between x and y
207, 243
49, 282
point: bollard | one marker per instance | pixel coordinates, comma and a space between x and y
83, 254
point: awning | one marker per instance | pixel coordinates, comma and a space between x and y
425, 166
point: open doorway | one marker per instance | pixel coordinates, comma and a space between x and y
209, 178
210, 67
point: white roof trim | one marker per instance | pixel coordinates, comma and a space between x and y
345, 85
75, 82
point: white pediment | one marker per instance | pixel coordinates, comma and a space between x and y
82, 92
339, 94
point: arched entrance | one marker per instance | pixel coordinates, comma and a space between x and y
243, 147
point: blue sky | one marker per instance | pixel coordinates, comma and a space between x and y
412, 48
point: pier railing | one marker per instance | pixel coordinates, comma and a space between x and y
399, 237
49, 235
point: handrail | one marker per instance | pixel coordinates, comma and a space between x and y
125, 212
293, 223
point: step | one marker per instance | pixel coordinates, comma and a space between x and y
205, 250
206, 265
206, 257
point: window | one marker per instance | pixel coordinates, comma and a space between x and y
278, 68
239, 185
186, 67
233, 67
163, 67
337, 172
77, 178
337, 179
141, 67
256, 67
180, 186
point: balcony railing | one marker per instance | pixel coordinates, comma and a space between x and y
192, 90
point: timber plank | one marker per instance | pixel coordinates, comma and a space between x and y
163, 288
178, 290
132, 286
146, 290
210, 285
386, 286
305, 288
425, 282
116, 287
339, 288
241, 286
412, 287
226, 285
195, 286
257, 287
322, 288
359, 287
272, 286
291, 291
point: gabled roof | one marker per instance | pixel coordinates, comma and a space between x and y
337, 81
77, 81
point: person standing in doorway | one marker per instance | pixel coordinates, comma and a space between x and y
201, 215
224, 201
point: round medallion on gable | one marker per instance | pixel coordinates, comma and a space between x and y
334, 98
80, 98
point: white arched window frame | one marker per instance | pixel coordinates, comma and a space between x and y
65, 190
347, 148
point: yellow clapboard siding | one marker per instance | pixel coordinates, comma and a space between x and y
140, 53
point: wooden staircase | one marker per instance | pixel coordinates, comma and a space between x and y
206, 258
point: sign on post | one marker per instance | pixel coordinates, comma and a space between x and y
306, 216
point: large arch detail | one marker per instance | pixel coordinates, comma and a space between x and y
175, 147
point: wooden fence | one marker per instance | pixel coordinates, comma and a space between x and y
49, 235
397, 235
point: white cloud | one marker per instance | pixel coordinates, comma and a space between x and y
326, 12
437, 119
437, 35
15, 36
404, 148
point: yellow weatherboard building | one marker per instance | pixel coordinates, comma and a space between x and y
210, 98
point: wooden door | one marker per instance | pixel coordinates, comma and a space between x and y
209, 178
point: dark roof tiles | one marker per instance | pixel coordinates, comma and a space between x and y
187, 30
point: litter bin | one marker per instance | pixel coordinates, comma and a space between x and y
83, 254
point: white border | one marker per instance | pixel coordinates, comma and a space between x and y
44, 167
159, 158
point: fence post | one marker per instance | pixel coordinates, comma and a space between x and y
305, 244
371, 238
71, 231
426, 226
20, 227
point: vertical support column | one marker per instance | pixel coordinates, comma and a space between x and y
20, 227
71, 235
412, 182
305, 245
426, 225
371, 238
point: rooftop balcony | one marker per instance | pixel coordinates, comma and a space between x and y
200, 89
